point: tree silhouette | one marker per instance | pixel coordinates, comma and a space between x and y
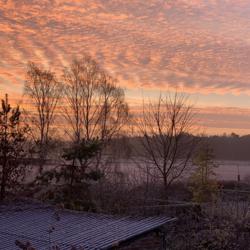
44, 90
12, 147
95, 106
165, 127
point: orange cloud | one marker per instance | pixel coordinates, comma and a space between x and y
200, 46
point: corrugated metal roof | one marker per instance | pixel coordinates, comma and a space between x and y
89, 230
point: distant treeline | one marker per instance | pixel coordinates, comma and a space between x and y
224, 147
231, 147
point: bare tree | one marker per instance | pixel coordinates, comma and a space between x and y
44, 92
95, 106
167, 145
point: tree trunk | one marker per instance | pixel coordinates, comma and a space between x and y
3, 184
165, 186
4, 178
2, 194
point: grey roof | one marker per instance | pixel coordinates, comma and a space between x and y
89, 230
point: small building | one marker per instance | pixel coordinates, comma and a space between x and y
46, 227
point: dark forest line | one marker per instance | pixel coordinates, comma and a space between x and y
225, 147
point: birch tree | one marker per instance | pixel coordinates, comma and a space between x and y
95, 106
44, 91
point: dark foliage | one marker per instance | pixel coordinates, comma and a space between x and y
12, 147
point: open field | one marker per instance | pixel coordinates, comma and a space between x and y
226, 170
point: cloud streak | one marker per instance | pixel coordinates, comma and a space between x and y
200, 46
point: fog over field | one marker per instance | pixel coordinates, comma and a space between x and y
226, 170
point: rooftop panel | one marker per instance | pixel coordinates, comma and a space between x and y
89, 230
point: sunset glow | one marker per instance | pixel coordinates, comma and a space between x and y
198, 47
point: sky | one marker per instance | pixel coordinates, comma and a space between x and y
199, 47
